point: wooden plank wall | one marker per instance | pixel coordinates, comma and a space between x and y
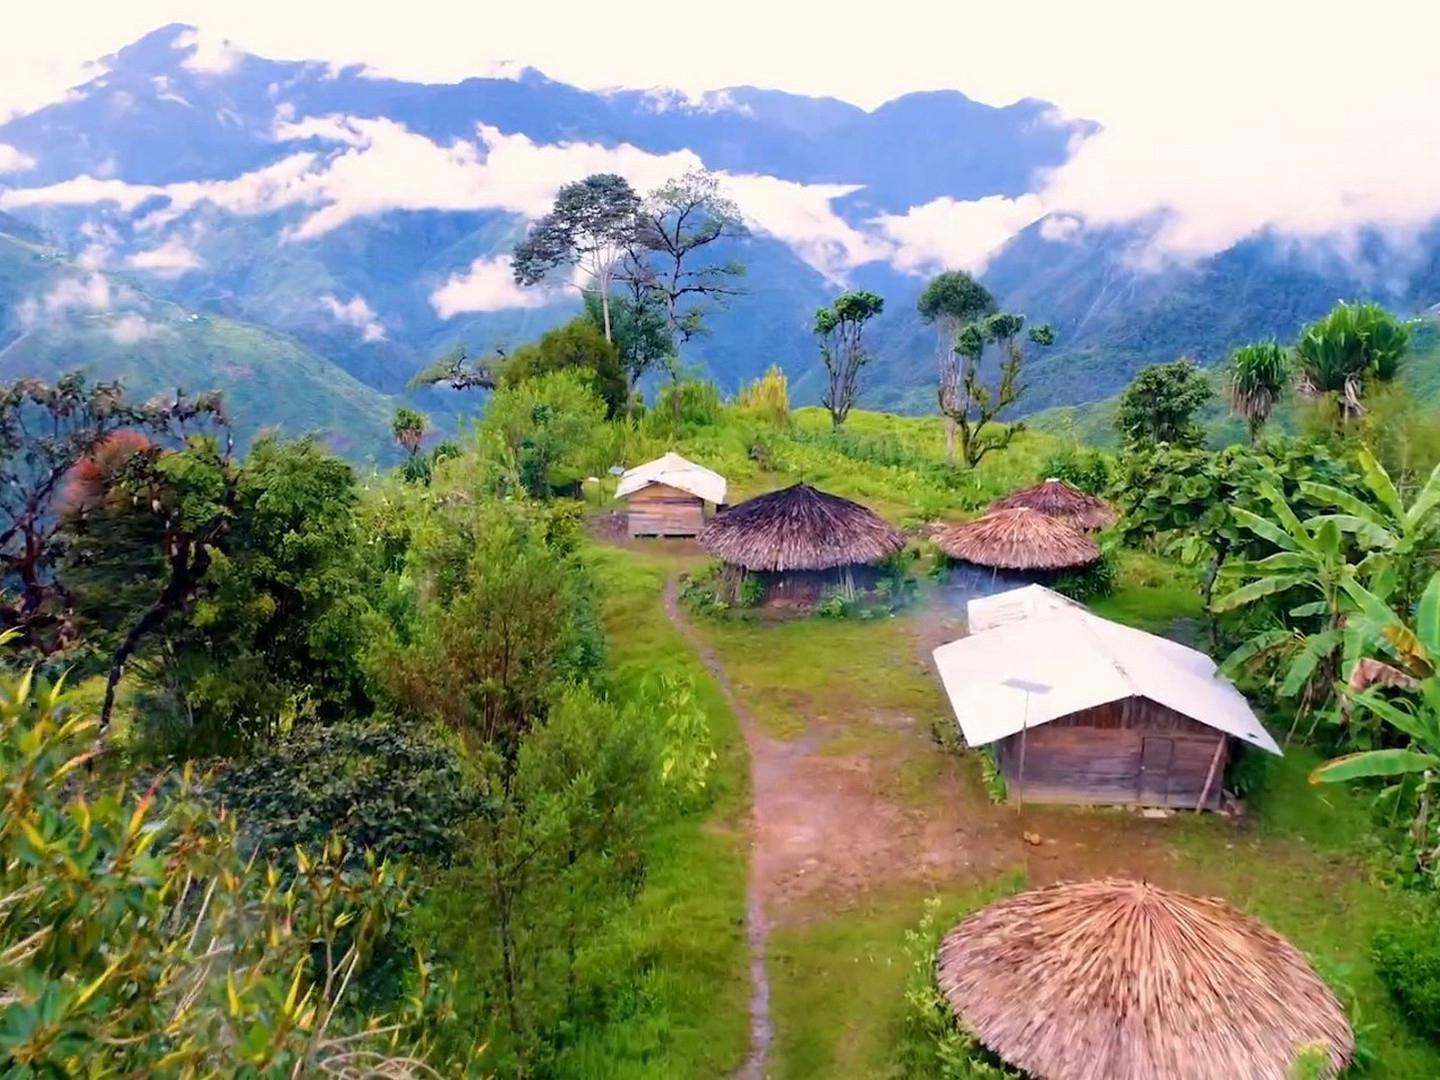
1074, 760
659, 510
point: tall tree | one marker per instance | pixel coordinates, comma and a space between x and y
1349, 351
1256, 378
642, 335
676, 224
591, 227
840, 329
970, 403
579, 346
1159, 405
950, 302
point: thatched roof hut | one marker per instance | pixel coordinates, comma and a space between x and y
1018, 539
800, 528
1057, 499
1119, 980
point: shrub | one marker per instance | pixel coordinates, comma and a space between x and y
686, 402
1407, 959
137, 940
705, 592
1088, 470
768, 397
1093, 582
385, 788
935, 1045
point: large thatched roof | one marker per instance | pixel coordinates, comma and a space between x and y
1018, 539
1118, 980
800, 528
1058, 499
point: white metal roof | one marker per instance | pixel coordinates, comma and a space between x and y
1071, 659
988, 612
672, 470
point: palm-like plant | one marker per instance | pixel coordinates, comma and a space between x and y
1410, 658
1347, 351
1256, 379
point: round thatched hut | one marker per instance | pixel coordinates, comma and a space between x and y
802, 542
1119, 980
1057, 499
1018, 539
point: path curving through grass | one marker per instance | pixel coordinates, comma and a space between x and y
762, 747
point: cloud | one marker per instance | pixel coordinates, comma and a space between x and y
488, 285
130, 329
89, 293
357, 313
13, 160
1059, 227
945, 233
171, 259
208, 53
93, 257
801, 216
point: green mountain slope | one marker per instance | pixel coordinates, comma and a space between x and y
57, 316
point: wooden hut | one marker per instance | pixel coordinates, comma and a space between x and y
1018, 539
667, 496
803, 543
1057, 499
1084, 710
1120, 980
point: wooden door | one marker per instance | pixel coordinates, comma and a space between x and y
1156, 754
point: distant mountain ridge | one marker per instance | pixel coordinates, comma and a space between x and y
334, 209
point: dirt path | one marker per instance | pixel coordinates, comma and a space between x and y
762, 1029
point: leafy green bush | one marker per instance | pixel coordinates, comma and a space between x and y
768, 397
136, 939
1094, 582
1407, 959
385, 788
1088, 470
685, 403
935, 1046
705, 592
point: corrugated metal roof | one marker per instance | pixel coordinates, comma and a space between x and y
1083, 661
997, 609
672, 470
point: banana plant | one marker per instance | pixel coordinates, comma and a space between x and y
1313, 558
1394, 534
1410, 655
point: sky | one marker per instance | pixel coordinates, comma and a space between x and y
1313, 118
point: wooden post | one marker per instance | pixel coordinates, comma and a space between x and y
1210, 776
1024, 727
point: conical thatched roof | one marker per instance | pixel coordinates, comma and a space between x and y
1118, 980
800, 528
1018, 539
1058, 499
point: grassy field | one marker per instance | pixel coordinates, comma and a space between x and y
688, 927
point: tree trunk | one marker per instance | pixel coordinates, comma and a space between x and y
950, 441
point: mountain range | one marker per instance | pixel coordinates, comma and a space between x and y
306, 237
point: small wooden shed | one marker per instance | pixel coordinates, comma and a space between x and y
667, 496
1084, 710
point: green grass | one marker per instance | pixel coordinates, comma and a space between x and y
823, 672
690, 1014
839, 986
